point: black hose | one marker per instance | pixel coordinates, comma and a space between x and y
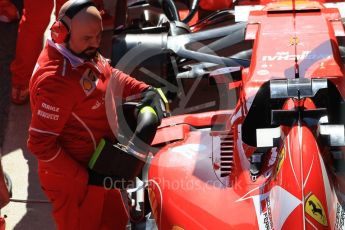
147, 123
170, 10
192, 11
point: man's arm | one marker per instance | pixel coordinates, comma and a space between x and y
52, 102
152, 97
127, 84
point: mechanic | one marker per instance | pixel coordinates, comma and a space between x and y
67, 95
33, 23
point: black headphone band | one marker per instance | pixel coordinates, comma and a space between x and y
76, 6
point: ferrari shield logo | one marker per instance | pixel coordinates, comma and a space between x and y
315, 209
293, 41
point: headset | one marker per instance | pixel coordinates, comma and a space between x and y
60, 30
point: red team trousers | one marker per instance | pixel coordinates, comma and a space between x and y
35, 19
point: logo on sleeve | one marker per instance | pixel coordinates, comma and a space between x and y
88, 82
48, 112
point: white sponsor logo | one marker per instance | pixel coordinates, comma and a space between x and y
340, 218
50, 107
96, 105
286, 56
47, 115
273, 207
267, 213
263, 72
189, 150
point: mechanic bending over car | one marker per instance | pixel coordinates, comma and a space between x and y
69, 121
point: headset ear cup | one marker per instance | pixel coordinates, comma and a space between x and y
59, 32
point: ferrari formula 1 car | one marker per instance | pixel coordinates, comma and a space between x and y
256, 136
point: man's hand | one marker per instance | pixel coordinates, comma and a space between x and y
115, 162
156, 99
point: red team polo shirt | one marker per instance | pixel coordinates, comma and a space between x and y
68, 103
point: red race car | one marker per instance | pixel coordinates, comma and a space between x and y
256, 137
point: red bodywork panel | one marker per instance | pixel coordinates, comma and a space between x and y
177, 127
283, 39
275, 34
186, 186
215, 4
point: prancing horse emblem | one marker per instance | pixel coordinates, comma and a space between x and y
316, 209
